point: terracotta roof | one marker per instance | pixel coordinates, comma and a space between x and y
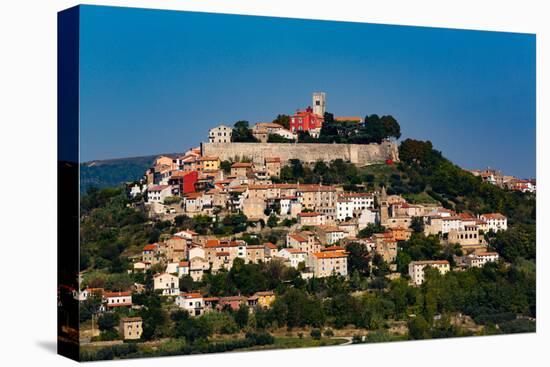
264, 293
330, 229
184, 263
493, 216
181, 173
313, 188
297, 237
232, 298
158, 187
466, 216
191, 295
209, 158
330, 254
212, 243
268, 125
273, 160
293, 250
452, 217
259, 187
270, 245
94, 290
285, 186
241, 165
333, 248
309, 214
430, 262
131, 319
150, 247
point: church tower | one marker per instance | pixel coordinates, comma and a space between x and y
319, 103
384, 206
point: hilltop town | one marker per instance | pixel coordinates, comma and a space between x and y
312, 211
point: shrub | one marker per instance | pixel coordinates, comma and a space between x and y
315, 334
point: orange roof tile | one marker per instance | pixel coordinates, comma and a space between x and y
309, 214
330, 254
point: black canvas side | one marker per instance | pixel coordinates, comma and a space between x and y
68, 182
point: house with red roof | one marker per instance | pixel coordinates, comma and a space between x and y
495, 221
183, 182
193, 303
311, 219
157, 193
329, 262
239, 169
151, 253
117, 299
306, 120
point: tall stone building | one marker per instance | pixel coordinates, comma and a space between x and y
319, 103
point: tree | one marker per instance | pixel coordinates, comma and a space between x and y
418, 328
371, 229
416, 152
518, 241
107, 321
358, 258
226, 166
272, 221
241, 316
187, 284
90, 306
391, 127
242, 134
283, 120
192, 329
315, 334
417, 224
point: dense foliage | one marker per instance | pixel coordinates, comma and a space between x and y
374, 129
426, 168
242, 133
335, 172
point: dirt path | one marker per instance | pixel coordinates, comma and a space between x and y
348, 338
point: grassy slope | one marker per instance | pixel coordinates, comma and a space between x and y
383, 175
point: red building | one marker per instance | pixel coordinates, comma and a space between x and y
183, 182
305, 121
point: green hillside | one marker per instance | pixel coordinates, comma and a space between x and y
114, 172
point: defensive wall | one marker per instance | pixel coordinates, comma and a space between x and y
359, 154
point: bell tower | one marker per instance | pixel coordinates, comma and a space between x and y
319, 103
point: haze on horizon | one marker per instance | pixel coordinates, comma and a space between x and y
155, 81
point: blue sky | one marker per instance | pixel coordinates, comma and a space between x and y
155, 81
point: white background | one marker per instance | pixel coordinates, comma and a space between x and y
28, 179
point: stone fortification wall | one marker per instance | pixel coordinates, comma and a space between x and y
359, 154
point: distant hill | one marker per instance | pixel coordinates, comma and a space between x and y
114, 172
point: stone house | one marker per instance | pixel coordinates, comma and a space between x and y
130, 328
